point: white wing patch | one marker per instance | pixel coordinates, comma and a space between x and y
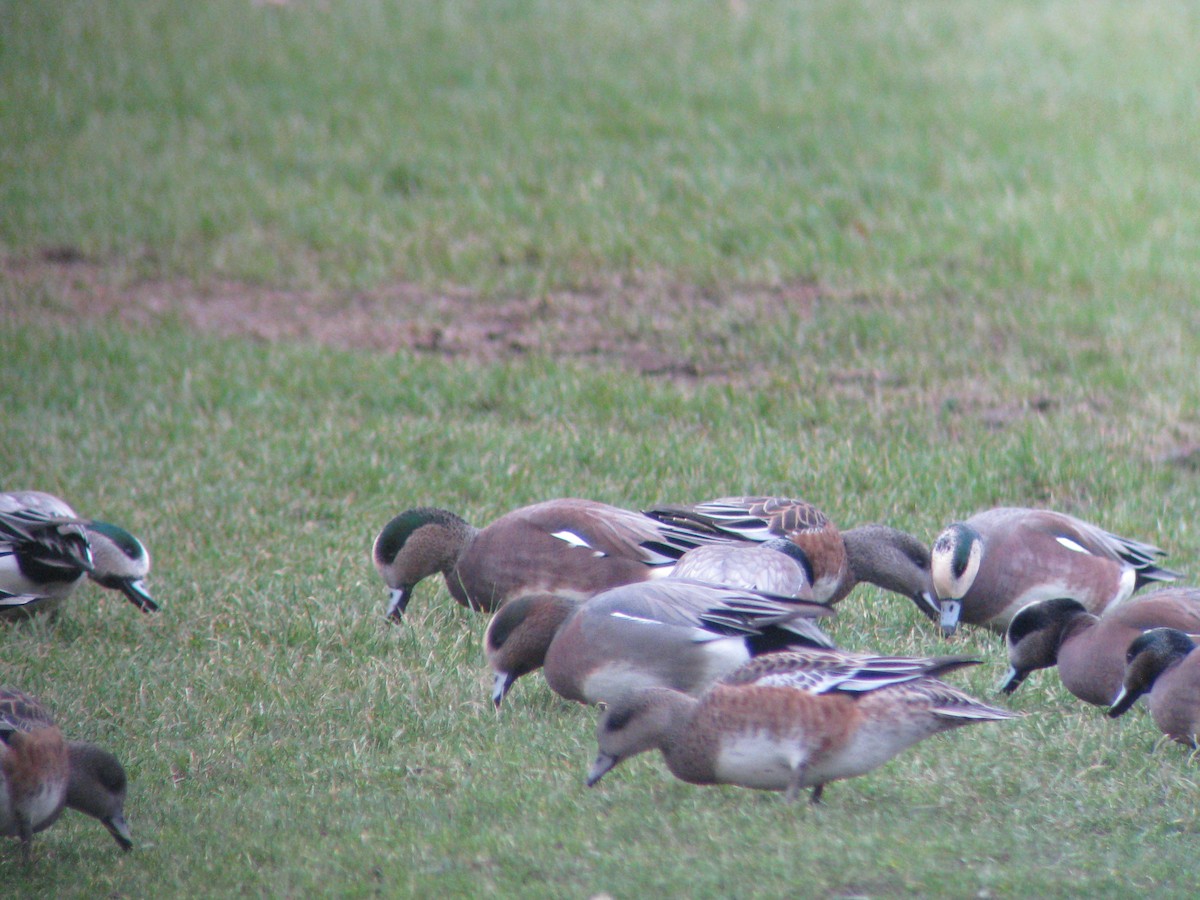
621, 615
575, 540
1073, 545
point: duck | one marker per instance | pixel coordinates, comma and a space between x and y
34, 770
73, 774
791, 720
1089, 650
990, 565
569, 547
47, 549
669, 632
1163, 665
838, 560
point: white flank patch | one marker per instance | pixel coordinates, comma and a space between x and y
757, 759
46, 801
1127, 584
1073, 545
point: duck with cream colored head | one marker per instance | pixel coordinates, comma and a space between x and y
987, 567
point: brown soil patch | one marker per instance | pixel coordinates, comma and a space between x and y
654, 327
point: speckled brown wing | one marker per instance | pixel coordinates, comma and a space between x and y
752, 518
820, 671
21, 712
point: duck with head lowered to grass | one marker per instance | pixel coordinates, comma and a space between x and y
47, 549
987, 567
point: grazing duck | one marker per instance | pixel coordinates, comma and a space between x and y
570, 548
790, 720
1162, 664
669, 632
75, 774
46, 549
1089, 650
837, 560
989, 566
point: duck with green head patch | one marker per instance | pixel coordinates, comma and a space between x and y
46, 550
567, 548
990, 565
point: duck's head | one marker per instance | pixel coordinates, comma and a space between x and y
97, 788
414, 545
120, 562
1034, 635
954, 563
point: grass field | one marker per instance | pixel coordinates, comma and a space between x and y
969, 232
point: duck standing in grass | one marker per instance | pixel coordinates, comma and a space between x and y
790, 720
837, 560
670, 632
1164, 665
568, 548
1089, 650
46, 550
79, 775
992, 564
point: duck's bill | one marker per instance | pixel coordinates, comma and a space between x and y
397, 603
136, 591
928, 604
604, 764
500, 686
1012, 680
950, 610
1121, 703
120, 831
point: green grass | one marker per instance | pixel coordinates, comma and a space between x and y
995, 201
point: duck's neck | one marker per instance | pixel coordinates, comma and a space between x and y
892, 559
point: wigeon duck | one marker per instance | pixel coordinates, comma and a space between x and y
1089, 650
989, 566
669, 632
34, 770
568, 547
78, 775
837, 560
1163, 665
790, 720
46, 549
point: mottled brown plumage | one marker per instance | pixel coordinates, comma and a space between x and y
837, 560
34, 770
765, 726
78, 775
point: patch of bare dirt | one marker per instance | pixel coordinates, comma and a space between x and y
654, 327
